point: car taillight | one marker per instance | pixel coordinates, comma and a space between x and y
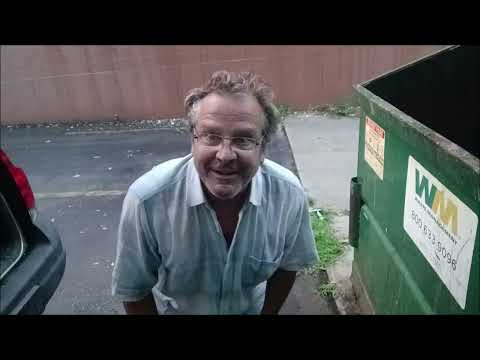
20, 179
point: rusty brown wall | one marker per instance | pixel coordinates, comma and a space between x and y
70, 83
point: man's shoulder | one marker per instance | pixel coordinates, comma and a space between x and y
160, 177
279, 173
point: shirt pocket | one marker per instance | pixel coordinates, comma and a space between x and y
256, 271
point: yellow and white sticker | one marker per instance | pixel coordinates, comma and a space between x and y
442, 227
374, 146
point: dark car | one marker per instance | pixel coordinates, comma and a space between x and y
32, 258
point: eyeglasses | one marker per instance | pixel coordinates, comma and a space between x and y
237, 142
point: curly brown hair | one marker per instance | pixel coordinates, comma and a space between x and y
229, 83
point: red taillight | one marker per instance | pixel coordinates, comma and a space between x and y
20, 179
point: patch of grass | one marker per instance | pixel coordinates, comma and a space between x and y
284, 110
346, 107
337, 109
328, 247
329, 289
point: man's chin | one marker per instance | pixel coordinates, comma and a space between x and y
224, 192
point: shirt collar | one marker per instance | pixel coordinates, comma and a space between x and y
195, 195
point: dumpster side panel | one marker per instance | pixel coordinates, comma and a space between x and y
389, 284
396, 274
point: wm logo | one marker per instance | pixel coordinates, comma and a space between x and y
436, 200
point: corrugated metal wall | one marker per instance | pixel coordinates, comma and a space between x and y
72, 83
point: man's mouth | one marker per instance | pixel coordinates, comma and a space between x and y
224, 173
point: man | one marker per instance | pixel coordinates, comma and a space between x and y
222, 230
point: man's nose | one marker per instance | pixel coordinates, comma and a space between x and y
225, 151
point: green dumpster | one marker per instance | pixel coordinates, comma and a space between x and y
415, 202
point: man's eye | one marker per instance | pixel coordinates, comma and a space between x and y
212, 137
241, 141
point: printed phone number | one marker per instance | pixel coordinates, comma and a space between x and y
440, 251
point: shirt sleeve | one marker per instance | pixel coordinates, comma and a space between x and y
137, 260
300, 250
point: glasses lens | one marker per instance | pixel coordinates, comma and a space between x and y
243, 143
211, 139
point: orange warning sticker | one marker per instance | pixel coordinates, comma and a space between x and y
374, 146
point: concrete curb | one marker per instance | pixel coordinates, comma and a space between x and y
340, 272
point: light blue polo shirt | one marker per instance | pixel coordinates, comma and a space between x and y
170, 241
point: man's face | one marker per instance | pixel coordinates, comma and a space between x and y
224, 170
